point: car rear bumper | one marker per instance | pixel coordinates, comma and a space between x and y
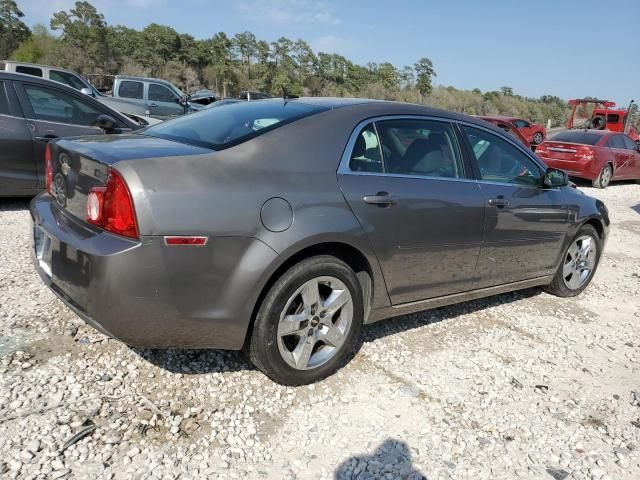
145, 293
581, 169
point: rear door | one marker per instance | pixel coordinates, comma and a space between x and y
162, 101
405, 180
634, 157
623, 158
17, 166
52, 113
525, 223
131, 90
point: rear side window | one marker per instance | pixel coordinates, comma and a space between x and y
67, 79
160, 93
219, 128
36, 72
129, 89
4, 102
366, 154
616, 141
584, 138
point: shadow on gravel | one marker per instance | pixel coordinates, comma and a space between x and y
404, 323
196, 362
392, 456
14, 204
636, 208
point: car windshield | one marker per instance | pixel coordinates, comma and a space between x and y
585, 138
219, 128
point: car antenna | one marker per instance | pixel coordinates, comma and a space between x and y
286, 95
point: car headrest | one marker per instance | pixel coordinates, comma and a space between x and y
360, 147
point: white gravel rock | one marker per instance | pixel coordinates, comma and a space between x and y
519, 385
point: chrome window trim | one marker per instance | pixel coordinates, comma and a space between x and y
344, 169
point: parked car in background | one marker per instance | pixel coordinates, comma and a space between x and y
159, 97
202, 97
77, 81
508, 127
34, 111
248, 95
281, 226
597, 155
533, 132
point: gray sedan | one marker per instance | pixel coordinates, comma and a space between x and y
282, 226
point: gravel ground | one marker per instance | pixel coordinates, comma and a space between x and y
518, 385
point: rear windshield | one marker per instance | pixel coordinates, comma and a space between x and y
219, 128
585, 138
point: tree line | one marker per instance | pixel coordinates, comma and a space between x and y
80, 39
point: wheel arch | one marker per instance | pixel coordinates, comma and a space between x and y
348, 253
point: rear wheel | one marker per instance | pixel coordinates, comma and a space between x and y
604, 178
307, 322
578, 265
538, 138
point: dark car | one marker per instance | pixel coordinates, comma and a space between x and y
34, 111
282, 226
597, 155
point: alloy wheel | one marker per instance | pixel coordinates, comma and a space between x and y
605, 176
537, 138
579, 262
315, 323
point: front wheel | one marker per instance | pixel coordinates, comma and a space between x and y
538, 138
578, 265
604, 178
307, 322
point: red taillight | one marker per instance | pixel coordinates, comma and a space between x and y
48, 168
111, 207
186, 241
586, 153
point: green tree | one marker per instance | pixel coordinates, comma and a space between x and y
12, 30
424, 74
506, 91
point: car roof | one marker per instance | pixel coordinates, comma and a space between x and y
143, 79
32, 78
39, 65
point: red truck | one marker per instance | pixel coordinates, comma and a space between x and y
601, 115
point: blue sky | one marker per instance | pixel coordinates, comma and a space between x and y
569, 48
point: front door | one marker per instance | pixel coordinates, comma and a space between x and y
405, 182
52, 114
163, 102
525, 223
17, 168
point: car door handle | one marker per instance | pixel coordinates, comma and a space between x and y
153, 105
381, 199
500, 201
47, 137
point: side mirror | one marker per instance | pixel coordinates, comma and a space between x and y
555, 178
87, 91
106, 123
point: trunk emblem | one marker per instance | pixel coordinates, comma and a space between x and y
59, 190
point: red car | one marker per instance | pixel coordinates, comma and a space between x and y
533, 132
596, 155
508, 127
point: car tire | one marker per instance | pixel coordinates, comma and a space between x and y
579, 264
538, 138
604, 177
288, 306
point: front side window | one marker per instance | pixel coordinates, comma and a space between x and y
4, 102
129, 89
36, 72
419, 147
629, 144
219, 128
55, 106
499, 161
160, 93
67, 79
